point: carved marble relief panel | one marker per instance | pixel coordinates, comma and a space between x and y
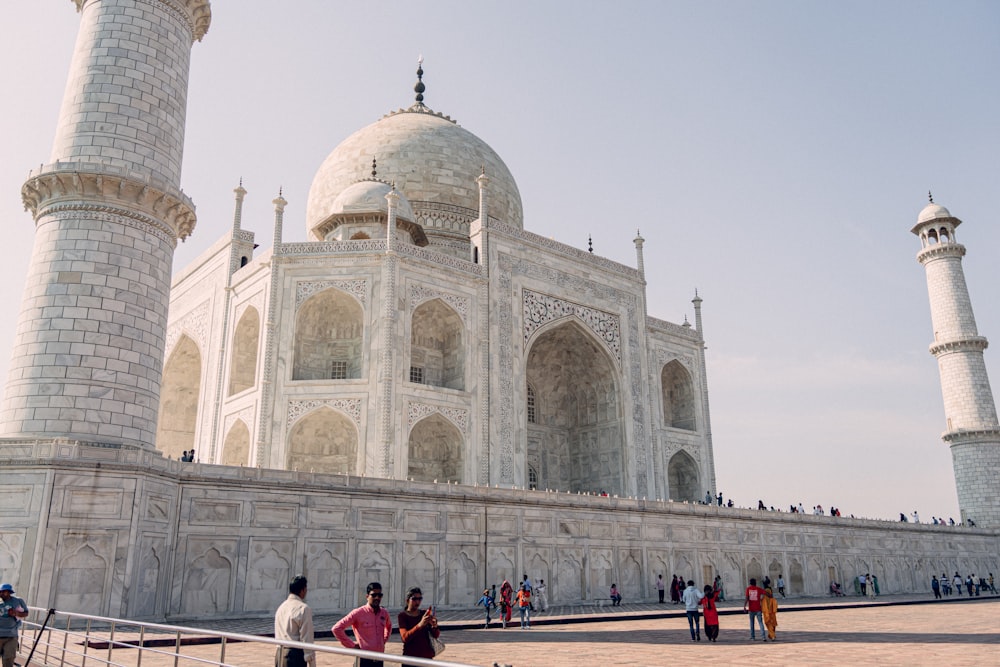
83, 567
15, 500
274, 515
269, 569
326, 563
208, 576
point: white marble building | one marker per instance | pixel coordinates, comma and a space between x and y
458, 348
424, 393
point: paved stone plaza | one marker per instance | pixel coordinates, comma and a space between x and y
895, 630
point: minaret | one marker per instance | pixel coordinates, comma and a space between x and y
973, 431
108, 210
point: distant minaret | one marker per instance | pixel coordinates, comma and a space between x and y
108, 209
973, 431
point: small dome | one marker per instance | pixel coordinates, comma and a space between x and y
369, 197
932, 211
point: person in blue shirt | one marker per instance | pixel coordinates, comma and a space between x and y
12, 610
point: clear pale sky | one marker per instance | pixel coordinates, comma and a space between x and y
773, 154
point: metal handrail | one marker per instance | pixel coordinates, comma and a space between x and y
65, 651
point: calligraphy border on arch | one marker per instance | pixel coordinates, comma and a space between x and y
195, 323
417, 411
306, 288
421, 293
296, 410
539, 309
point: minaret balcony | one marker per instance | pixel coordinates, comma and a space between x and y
963, 344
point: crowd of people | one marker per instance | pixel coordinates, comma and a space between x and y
421, 637
945, 585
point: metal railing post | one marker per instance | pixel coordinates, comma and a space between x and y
142, 635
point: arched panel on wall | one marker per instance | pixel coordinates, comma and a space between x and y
329, 337
243, 361
324, 440
678, 397
437, 346
683, 478
179, 394
435, 451
577, 438
236, 450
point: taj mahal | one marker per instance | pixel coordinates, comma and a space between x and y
424, 392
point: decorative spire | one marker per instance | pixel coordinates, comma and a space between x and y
420, 88
590, 244
930, 197
374, 168
238, 213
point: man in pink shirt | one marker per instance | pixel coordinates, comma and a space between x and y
371, 625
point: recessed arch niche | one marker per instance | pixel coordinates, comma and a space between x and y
683, 479
329, 333
179, 392
243, 361
435, 451
236, 449
678, 396
437, 345
324, 440
577, 437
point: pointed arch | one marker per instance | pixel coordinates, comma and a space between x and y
437, 345
243, 360
683, 478
435, 451
179, 394
329, 337
678, 397
236, 449
323, 441
578, 438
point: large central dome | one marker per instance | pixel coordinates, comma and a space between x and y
433, 162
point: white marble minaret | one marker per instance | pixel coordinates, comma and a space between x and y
108, 210
973, 431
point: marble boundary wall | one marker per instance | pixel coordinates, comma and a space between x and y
129, 534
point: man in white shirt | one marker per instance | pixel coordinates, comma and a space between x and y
692, 599
294, 622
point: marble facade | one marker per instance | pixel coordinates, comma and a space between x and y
130, 534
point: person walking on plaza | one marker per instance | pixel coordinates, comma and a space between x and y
524, 606
542, 595
528, 587
417, 627
718, 589
935, 587
659, 588
769, 609
711, 613
692, 601
487, 603
752, 604
871, 586
371, 624
675, 590
293, 621
506, 602
781, 585
864, 585
12, 610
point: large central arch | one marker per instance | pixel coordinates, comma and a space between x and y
577, 441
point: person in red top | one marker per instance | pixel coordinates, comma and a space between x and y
416, 627
751, 603
371, 624
711, 613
